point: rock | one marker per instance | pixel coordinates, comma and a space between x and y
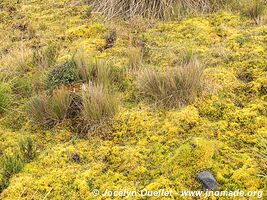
208, 180
110, 41
75, 157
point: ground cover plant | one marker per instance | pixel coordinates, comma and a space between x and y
133, 95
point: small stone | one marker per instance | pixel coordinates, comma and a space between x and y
75, 157
208, 180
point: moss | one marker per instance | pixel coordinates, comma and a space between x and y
148, 148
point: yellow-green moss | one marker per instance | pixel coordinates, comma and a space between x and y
150, 148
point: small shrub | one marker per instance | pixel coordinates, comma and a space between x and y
27, 149
255, 9
98, 105
5, 97
175, 87
64, 74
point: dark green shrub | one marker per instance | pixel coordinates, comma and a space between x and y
64, 74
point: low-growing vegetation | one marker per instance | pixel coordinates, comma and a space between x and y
158, 8
5, 97
131, 95
255, 10
98, 105
12, 163
175, 87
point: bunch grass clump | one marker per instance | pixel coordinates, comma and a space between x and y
17, 63
255, 10
98, 104
59, 104
98, 71
49, 111
135, 57
175, 87
160, 9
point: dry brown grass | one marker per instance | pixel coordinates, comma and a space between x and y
255, 9
16, 63
48, 111
173, 88
156, 8
98, 105
135, 57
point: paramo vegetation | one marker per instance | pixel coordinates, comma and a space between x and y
119, 95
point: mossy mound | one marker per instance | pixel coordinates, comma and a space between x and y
223, 131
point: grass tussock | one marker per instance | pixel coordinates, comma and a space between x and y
135, 57
49, 111
98, 104
255, 10
92, 107
59, 104
17, 63
98, 71
175, 87
160, 9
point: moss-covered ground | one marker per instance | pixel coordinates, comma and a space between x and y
223, 131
